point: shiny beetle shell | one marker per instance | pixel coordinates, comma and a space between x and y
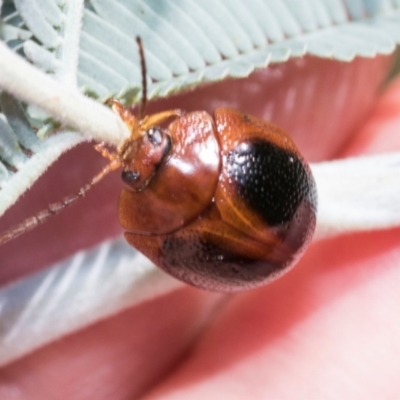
224, 203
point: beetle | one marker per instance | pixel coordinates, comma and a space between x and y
224, 202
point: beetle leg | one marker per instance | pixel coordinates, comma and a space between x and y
102, 149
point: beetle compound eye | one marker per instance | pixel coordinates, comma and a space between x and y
155, 136
156, 144
130, 177
144, 155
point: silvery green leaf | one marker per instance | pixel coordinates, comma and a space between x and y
189, 42
13, 184
358, 194
67, 294
18, 171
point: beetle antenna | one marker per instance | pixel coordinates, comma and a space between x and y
144, 81
53, 209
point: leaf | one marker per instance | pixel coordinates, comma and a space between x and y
17, 170
188, 42
341, 184
52, 303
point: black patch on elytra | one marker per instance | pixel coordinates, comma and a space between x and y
208, 265
270, 180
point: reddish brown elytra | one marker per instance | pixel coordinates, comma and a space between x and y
224, 202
